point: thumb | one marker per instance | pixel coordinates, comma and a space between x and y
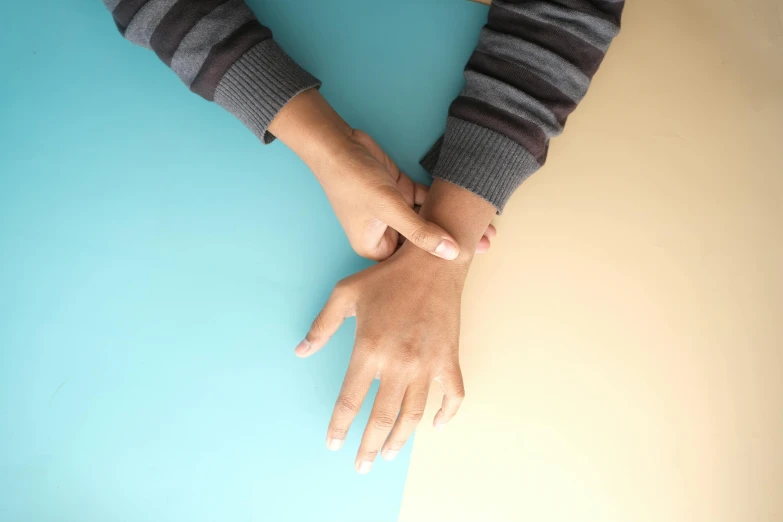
326, 324
396, 213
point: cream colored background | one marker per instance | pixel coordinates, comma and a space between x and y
623, 342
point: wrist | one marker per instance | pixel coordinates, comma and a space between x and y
310, 127
461, 213
430, 271
465, 216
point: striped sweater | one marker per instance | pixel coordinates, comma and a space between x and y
532, 66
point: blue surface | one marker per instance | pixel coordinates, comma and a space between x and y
158, 266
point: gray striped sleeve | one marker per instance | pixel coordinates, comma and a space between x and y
595, 31
217, 25
462, 156
146, 21
512, 100
111, 4
259, 84
544, 63
219, 50
533, 64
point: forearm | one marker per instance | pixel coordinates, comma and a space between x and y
532, 66
310, 127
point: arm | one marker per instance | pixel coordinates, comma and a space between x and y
532, 66
220, 51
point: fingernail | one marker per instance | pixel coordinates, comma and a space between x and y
334, 444
364, 467
439, 426
302, 348
389, 455
447, 250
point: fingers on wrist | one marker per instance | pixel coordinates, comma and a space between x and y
393, 210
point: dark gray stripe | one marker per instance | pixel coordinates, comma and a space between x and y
521, 78
562, 43
177, 23
598, 8
510, 100
125, 11
524, 132
596, 31
224, 54
549, 66
111, 4
613, 9
213, 28
146, 21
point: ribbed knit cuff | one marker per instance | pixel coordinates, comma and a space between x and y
259, 84
480, 160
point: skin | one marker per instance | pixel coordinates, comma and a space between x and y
408, 307
407, 335
374, 201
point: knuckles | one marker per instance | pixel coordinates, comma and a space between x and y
344, 289
346, 404
338, 433
341, 286
369, 454
407, 360
319, 325
412, 416
396, 444
382, 421
419, 236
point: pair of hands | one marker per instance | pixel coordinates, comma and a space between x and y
374, 201
408, 307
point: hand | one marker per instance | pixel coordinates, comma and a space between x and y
407, 335
373, 200
407, 331
376, 203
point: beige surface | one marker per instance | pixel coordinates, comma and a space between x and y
623, 342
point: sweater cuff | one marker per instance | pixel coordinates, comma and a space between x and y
259, 84
480, 160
